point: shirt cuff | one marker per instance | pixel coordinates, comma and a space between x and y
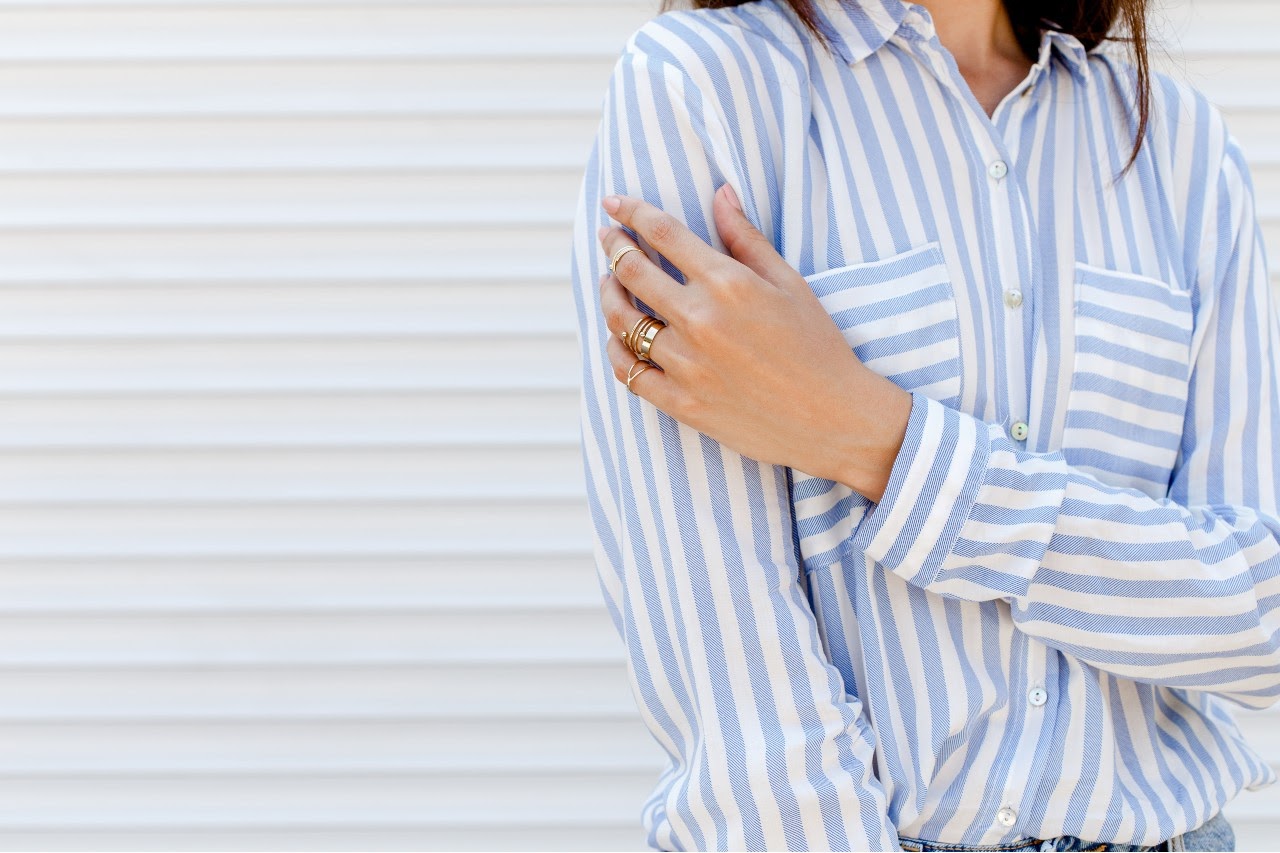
932, 487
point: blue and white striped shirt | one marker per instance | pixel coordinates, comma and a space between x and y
1074, 572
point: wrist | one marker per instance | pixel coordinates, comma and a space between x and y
871, 432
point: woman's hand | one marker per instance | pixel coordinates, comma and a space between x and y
749, 356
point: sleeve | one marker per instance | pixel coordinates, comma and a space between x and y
1183, 590
767, 747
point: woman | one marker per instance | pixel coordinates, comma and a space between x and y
942, 510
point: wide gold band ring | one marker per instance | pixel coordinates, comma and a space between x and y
629, 336
640, 338
617, 256
646, 338
633, 373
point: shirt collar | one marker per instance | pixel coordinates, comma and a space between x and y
858, 28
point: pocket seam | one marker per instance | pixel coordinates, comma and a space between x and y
933, 247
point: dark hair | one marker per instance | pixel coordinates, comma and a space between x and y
1088, 20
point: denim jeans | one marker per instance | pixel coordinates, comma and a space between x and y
1214, 834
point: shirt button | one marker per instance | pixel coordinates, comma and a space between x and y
1013, 298
1019, 431
1007, 816
998, 169
1038, 696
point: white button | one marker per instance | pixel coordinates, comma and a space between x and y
1013, 298
1019, 431
998, 169
1007, 816
1038, 696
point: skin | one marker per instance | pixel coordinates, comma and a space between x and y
749, 356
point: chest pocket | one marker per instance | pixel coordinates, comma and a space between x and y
898, 314
1128, 396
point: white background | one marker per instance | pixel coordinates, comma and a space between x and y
293, 545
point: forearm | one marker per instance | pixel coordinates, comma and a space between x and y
1142, 587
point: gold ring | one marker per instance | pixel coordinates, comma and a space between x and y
617, 256
646, 339
633, 373
631, 333
638, 333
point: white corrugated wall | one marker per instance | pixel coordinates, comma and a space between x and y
293, 546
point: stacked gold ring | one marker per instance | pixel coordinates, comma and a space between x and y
640, 338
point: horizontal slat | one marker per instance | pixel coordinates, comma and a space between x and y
278, 89
504, 582
266, 309
383, 143
489, 528
1230, 81
312, 364
583, 833
394, 198
329, 746
185, 419
253, 254
377, 636
370, 29
255, 690
1237, 26
284, 474
229, 799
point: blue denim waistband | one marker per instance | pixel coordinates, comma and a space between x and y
1214, 834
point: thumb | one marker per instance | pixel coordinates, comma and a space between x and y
745, 242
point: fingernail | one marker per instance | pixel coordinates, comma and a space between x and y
732, 196
601, 231
611, 203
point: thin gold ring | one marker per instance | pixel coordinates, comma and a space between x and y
617, 256
638, 333
633, 373
631, 332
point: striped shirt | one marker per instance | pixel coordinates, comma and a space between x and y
1074, 572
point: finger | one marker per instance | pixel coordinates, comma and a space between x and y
667, 234
643, 277
652, 382
621, 316
745, 242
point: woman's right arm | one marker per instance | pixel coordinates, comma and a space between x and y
769, 748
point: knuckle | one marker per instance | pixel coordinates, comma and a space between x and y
720, 276
664, 228
614, 318
630, 264
698, 319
